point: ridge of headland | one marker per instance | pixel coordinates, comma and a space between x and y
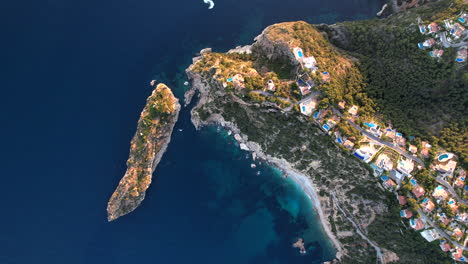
147, 147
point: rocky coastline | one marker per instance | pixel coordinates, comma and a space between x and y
290, 142
151, 139
201, 89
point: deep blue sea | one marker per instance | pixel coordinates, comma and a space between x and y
74, 76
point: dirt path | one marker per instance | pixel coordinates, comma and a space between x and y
358, 230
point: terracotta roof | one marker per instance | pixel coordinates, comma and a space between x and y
429, 206
342, 104
418, 224
401, 200
445, 247
390, 183
457, 255
419, 191
458, 232
425, 152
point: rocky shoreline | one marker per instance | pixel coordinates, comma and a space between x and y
201, 90
153, 135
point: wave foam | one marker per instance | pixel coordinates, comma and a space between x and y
210, 2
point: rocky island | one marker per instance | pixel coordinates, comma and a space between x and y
299, 85
147, 147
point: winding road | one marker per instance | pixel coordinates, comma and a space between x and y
443, 38
450, 189
360, 129
441, 232
386, 143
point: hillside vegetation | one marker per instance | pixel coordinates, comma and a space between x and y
420, 95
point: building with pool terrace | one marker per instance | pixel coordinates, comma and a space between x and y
445, 164
366, 152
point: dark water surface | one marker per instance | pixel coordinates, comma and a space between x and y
74, 78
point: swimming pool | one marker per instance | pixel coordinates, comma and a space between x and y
420, 45
230, 79
303, 109
339, 140
372, 125
399, 135
316, 115
451, 202
421, 29
299, 54
384, 178
413, 182
326, 127
425, 200
444, 157
359, 156
459, 60
461, 20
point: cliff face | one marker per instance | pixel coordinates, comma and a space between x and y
151, 139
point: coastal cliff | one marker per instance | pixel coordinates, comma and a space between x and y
261, 93
147, 147
286, 139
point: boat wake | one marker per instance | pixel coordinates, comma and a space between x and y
210, 2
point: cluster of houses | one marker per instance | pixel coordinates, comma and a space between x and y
396, 170
437, 214
451, 32
304, 81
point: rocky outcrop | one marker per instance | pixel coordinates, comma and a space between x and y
275, 48
402, 5
151, 139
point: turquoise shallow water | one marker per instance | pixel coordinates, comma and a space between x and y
74, 78
252, 211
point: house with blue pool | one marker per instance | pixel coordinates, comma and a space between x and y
463, 18
307, 107
298, 53
422, 29
461, 54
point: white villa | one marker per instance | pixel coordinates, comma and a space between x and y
307, 107
430, 235
405, 166
310, 63
384, 162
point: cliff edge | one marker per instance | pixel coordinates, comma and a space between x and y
151, 139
